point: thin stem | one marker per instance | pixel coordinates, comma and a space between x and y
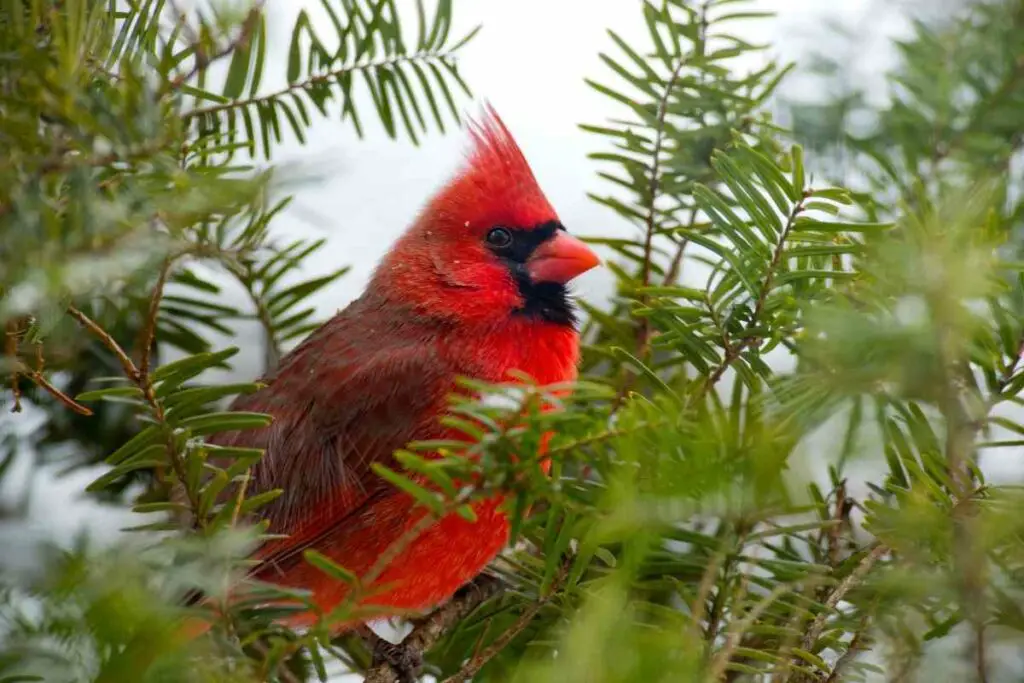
12, 335
605, 436
653, 187
44, 384
985, 106
478, 660
675, 267
318, 79
204, 60
144, 383
707, 583
149, 329
285, 675
856, 645
739, 627
855, 578
271, 348
700, 47
63, 159
126, 362
11, 350
732, 353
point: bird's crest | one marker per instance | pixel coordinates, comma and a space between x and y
497, 177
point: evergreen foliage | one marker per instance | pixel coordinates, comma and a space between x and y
773, 467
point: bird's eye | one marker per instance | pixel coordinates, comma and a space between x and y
499, 237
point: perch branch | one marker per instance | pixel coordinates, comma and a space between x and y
478, 660
428, 632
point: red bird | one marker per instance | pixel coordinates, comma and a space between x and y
476, 287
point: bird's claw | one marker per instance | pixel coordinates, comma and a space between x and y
405, 662
482, 586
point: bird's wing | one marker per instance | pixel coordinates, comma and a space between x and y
341, 401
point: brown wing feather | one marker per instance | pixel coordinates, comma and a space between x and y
357, 389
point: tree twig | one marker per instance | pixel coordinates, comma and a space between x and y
478, 660
856, 646
144, 383
653, 186
740, 626
129, 367
315, 80
203, 60
430, 631
853, 580
271, 349
675, 267
149, 329
732, 353
43, 383
11, 334
707, 582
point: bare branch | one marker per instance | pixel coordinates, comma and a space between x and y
126, 362
432, 629
149, 329
45, 384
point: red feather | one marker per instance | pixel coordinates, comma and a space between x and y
378, 375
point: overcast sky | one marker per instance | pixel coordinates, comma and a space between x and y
529, 61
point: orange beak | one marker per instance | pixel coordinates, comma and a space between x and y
560, 259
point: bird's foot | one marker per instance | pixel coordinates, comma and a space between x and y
481, 588
404, 661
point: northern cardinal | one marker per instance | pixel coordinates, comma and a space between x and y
476, 287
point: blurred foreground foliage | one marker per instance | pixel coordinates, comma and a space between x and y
782, 460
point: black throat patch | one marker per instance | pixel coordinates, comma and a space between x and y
547, 301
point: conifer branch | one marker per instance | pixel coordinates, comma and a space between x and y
148, 334
318, 79
650, 225
203, 60
853, 580
732, 352
145, 385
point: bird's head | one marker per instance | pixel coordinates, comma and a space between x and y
488, 245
